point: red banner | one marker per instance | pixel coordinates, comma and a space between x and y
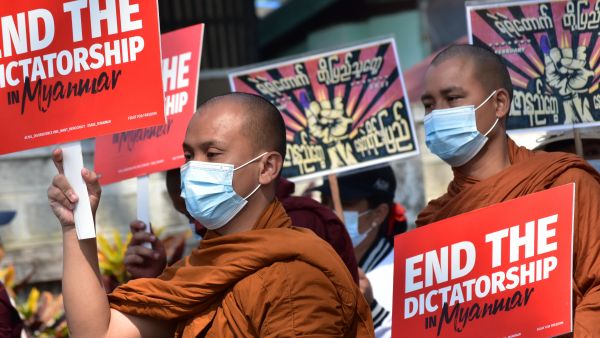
500, 271
158, 148
70, 70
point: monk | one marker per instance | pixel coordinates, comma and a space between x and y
253, 275
306, 212
490, 168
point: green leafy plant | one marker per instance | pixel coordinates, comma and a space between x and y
111, 255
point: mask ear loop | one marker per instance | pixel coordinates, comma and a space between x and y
252, 160
245, 164
492, 128
373, 224
497, 118
253, 191
486, 100
364, 212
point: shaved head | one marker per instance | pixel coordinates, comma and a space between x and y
263, 122
491, 70
245, 133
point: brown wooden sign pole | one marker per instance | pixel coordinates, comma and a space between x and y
335, 195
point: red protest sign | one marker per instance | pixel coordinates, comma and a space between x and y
70, 70
141, 152
503, 271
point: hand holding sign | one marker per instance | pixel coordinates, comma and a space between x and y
141, 261
62, 197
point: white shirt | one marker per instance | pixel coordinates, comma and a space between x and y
379, 269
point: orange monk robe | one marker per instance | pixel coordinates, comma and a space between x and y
530, 172
273, 281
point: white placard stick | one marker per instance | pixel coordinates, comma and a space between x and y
72, 165
143, 203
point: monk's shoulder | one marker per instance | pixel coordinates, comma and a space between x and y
578, 176
425, 215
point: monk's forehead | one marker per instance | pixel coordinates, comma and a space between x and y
458, 69
228, 111
226, 106
223, 121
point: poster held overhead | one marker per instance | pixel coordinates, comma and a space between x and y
158, 148
551, 51
71, 70
344, 109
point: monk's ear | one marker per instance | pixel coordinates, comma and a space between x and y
502, 103
270, 167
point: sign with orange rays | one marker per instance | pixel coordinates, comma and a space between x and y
344, 109
551, 49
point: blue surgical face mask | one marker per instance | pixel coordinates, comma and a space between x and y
452, 133
208, 192
351, 221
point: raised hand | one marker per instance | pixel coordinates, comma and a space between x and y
63, 198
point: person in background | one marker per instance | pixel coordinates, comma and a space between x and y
467, 99
11, 324
372, 220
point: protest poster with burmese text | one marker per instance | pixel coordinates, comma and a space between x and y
70, 70
158, 148
500, 271
552, 50
343, 109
